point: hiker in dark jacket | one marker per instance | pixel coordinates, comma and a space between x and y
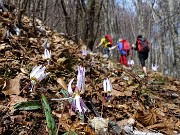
142, 46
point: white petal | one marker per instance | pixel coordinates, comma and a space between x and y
46, 53
42, 76
109, 86
35, 70
78, 82
77, 98
105, 85
39, 72
49, 54
70, 88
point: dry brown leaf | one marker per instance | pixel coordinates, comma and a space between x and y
178, 125
96, 87
172, 106
124, 106
18, 99
113, 79
131, 88
122, 83
12, 87
62, 83
146, 118
2, 60
116, 86
59, 115
158, 111
117, 93
122, 122
18, 119
4, 20
3, 46
173, 88
61, 60
24, 71
2, 83
157, 126
128, 93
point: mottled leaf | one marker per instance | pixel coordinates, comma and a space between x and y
49, 118
28, 105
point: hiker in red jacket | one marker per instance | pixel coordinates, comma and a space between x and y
142, 46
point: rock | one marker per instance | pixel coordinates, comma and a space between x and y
100, 125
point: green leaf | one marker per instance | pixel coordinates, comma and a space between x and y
66, 95
49, 118
28, 105
70, 133
157, 82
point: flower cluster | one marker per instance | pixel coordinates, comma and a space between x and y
77, 103
38, 72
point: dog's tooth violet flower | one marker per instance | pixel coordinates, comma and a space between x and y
47, 55
37, 74
154, 67
78, 104
107, 88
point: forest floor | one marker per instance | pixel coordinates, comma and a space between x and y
149, 104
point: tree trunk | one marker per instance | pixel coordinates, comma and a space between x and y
140, 18
67, 18
91, 25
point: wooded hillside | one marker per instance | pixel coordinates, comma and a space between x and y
89, 20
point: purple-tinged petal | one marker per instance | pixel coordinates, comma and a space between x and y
83, 106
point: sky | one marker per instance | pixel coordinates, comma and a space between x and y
128, 4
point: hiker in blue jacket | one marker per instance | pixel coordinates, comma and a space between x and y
123, 53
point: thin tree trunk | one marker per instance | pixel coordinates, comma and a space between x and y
67, 18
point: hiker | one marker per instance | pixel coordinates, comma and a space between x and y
124, 48
142, 46
107, 42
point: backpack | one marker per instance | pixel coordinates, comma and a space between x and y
143, 45
126, 46
109, 39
